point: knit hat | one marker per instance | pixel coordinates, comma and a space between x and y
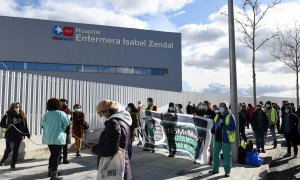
106, 105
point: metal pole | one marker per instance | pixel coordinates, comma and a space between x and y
233, 81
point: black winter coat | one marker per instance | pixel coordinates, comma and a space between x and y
115, 135
19, 122
260, 121
293, 124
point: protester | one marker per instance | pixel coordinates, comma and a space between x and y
289, 127
209, 113
242, 122
14, 128
140, 127
172, 108
250, 111
224, 130
200, 110
272, 117
259, 125
150, 106
189, 108
64, 108
116, 134
179, 108
54, 124
78, 127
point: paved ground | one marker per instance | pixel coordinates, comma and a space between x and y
145, 166
283, 167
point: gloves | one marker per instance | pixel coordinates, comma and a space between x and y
28, 136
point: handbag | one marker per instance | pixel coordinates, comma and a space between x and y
112, 168
86, 125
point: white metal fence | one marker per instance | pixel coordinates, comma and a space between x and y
33, 91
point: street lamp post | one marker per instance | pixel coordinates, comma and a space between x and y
233, 80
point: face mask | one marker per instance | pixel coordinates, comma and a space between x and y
205, 108
149, 103
103, 119
128, 109
286, 110
17, 110
217, 111
268, 106
222, 109
77, 110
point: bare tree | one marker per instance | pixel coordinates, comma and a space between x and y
287, 50
250, 25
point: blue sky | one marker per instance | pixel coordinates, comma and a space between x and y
204, 36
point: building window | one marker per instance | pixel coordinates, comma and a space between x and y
6, 65
142, 71
90, 68
125, 70
46, 67
107, 69
161, 72
67, 67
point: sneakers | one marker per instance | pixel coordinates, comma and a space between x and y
287, 155
227, 175
171, 155
212, 172
140, 143
13, 168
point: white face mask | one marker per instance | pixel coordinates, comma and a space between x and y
17, 110
128, 109
78, 110
149, 103
103, 119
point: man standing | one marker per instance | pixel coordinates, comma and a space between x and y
224, 131
259, 125
189, 108
150, 106
272, 117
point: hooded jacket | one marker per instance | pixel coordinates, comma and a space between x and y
116, 135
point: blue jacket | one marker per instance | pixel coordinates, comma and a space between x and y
54, 124
230, 127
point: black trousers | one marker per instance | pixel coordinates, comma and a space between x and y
291, 139
55, 151
243, 134
12, 146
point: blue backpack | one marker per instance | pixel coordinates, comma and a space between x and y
253, 159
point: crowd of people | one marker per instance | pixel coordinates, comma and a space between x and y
123, 127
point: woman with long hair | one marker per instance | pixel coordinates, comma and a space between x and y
15, 128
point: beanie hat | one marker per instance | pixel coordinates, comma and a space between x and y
106, 105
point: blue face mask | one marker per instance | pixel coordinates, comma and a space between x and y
221, 109
286, 110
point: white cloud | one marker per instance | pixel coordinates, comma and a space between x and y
206, 63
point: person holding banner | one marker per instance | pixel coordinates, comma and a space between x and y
150, 107
14, 129
224, 131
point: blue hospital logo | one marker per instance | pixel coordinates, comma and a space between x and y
57, 30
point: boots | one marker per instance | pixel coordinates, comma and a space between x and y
1, 163
77, 154
13, 167
50, 170
54, 176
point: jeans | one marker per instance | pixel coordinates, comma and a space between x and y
11, 145
260, 140
291, 140
55, 151
227, 154
272, 130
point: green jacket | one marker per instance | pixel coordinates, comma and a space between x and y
54, 124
